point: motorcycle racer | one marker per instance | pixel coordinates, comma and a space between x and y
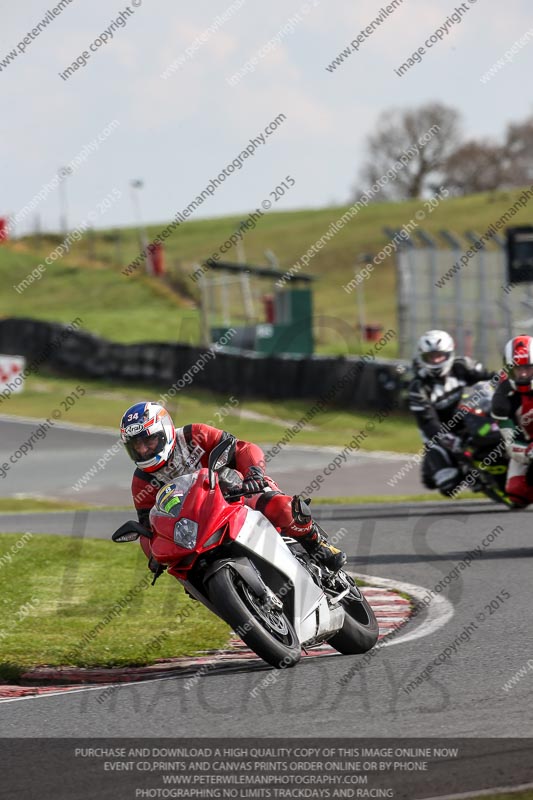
512, 408
434, 394
162, 452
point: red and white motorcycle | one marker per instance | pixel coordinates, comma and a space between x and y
234, 561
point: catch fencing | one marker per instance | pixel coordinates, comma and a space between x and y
441, 286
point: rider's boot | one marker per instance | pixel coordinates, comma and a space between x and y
312, 540
322, 551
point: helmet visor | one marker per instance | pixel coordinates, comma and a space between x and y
522, 375
145, 446
435, 357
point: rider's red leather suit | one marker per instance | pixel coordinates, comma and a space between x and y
514, 413
193, 445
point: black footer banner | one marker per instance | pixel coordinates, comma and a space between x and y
132, 769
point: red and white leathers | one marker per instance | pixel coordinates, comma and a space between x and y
513, 411
193, 446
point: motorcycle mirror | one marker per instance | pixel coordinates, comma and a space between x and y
218, 458
219, 455
130, 531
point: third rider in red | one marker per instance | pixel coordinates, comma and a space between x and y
512, 408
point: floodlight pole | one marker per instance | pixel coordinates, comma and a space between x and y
143, 238
62, 173
366, 259
241, 256
204, 311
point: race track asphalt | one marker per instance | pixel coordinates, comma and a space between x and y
464, 696
66, 455
476, 635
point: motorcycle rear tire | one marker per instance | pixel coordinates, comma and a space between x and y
360, 629
234, 600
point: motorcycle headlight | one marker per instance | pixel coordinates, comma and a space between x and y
185, 533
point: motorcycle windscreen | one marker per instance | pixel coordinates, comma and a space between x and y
171, 497
168, 509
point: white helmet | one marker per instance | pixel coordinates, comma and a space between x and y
149, 435
435, 353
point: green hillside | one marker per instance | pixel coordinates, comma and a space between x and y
133, 308
111, 306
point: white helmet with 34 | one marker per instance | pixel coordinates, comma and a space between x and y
149, 435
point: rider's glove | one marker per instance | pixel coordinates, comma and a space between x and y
254, 481
529, 451
300, 510
451, 442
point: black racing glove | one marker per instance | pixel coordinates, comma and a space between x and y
300, 509
451, 442
254, 481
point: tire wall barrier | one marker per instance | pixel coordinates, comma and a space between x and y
56, 348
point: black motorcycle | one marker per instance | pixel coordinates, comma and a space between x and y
483, 457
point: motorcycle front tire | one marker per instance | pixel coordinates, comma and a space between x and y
272, 637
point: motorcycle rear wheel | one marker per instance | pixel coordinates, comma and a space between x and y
269, 634
360, 629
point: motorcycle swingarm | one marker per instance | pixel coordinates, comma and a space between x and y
246, 570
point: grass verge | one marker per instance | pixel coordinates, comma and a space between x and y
387, 499
255, 420
26, 505
47, 609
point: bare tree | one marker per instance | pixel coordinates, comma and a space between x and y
476, 166
519, 152
400, 132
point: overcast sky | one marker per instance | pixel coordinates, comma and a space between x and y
179, 132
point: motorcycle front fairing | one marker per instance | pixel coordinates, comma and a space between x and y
189, 499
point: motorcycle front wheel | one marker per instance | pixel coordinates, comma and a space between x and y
267, 632
360, 629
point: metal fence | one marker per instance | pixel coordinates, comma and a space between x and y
475, 304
